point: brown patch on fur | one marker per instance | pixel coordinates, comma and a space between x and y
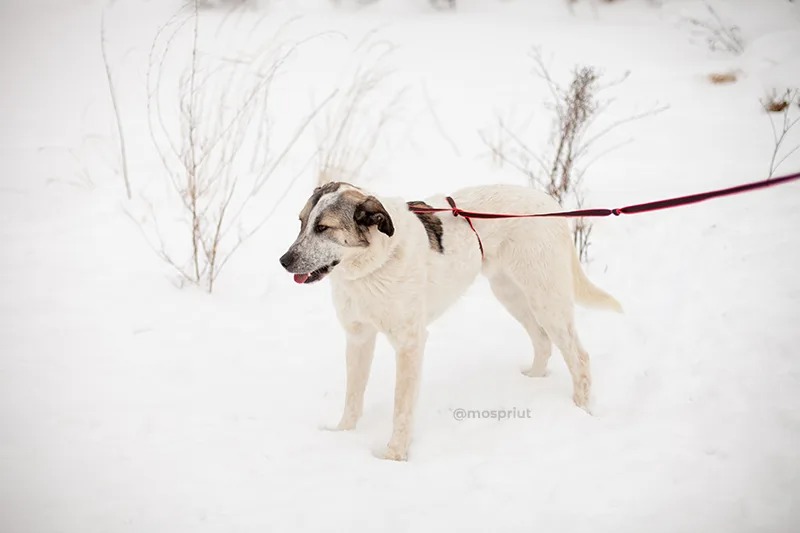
328, 188
329, 220
318, 193
432, 225
354, 196
340, 216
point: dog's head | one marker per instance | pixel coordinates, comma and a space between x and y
338, 221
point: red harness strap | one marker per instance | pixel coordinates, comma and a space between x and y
456, 211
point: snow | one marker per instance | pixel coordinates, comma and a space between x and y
130, 404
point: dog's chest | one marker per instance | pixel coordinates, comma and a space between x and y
377, 301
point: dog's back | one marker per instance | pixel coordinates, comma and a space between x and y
544, 244
511, 199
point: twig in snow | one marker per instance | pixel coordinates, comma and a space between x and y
112, 91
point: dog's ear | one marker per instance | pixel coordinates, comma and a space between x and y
371, 212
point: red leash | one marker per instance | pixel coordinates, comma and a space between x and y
628, 210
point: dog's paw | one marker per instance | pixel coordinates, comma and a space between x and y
339, 427
534, 372
582, 402
346, 423
391, 454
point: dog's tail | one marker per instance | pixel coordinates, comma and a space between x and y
586, 292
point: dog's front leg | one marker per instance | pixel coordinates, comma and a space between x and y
409, 345
359, 353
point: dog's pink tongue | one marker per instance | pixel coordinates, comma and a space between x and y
300, 278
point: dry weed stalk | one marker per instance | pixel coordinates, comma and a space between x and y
115, 105
781, 104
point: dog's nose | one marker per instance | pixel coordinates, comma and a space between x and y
286, 259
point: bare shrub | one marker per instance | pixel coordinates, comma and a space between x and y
575, 108
718, 33
781, 104
217, 150
356, 117
575, 130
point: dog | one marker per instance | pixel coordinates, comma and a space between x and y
395, 271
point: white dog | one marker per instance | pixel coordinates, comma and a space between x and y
394, 271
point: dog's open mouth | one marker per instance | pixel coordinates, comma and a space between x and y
316, 275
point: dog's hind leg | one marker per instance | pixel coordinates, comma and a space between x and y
565, 337
511, 296
359, 353
550, 298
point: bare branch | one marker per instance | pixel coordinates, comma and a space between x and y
437, 122
112, 91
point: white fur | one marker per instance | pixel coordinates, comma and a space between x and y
398, 285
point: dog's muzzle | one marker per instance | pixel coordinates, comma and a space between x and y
287, 260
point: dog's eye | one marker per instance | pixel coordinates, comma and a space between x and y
320, 228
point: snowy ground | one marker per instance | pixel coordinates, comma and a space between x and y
128, 404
